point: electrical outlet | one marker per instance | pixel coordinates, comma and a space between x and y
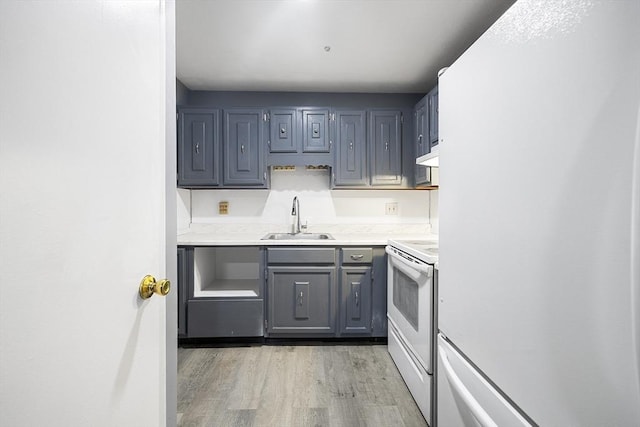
391, 208
223, 208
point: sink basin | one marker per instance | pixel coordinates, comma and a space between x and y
298, 236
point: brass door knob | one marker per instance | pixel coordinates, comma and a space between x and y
149, 286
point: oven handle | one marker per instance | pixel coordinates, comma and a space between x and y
411, 269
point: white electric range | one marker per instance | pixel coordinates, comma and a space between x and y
411, 316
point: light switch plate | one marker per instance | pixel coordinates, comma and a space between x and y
223, 208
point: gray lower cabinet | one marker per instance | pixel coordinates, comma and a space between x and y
301, 291
199, 147
310, 292
224, 295
379, 292
301, 300
355, 300
356, 291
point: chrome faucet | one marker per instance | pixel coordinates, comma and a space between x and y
295, 210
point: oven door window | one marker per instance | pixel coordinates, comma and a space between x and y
405, 297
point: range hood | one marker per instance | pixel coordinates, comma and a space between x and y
432, 159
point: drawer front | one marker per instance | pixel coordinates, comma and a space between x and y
225, 318
357, 255
301, 256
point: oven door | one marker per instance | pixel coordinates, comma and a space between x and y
410, 303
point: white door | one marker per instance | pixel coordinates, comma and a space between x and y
83, 128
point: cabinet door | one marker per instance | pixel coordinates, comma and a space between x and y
198, 148
283, 131
355, 300
433, 117
243, 147
351, 152
301, 300
385, 141
421, 136
421, 127
315, 125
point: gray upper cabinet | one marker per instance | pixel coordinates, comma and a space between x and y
433, 116
351, 153
299, 137
315, 130
283, 131
421, 138
385, 136
198, 147
421, 126
243, 148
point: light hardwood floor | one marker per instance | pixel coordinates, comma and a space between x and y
293, 385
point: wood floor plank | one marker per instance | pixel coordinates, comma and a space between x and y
388, 416
311, 417
293, 386
275, 408
251, 375
310, 381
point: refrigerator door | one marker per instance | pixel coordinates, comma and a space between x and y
477, 402
538, 209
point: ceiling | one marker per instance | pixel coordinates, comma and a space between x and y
388, 46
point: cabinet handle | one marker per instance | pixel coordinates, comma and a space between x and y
357, 302
350, 145
419, 139
356, 257
386, 146
197, 148
301, 298
242, 148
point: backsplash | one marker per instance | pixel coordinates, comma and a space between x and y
318, 204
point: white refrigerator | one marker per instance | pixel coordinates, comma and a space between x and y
539, 207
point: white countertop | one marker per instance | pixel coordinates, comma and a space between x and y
344, 234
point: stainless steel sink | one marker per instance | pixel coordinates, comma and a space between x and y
298, 236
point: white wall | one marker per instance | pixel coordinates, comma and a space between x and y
434, 217
319, 204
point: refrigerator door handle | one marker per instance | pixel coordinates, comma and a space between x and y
480, 415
